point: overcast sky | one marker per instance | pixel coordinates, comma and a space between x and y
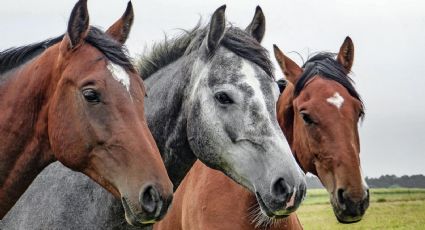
388, 35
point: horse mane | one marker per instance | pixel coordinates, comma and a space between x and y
324, 65
236, 40
113, 50
16, 56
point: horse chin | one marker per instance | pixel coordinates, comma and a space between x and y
348, 219
262, 217
266, 212
340, 216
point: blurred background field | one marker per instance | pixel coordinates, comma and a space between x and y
390, 208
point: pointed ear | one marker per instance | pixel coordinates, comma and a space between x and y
216, 30
78, 25
289, 68
346, 54
257, 27
121, 28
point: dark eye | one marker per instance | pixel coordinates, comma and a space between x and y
307, 118
91, 95
223, 98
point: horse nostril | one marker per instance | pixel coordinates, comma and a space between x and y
302, 190
149, 199
365, 202
340, 194
280, 190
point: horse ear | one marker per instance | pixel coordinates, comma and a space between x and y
346, 54
217, 27
78, 25
121, 28
257, 27
289, 68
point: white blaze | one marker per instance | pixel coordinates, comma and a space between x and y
249, 73
120, 75
336, 100
251, 80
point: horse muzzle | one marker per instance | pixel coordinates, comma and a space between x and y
282, 200
151, 207
346, 209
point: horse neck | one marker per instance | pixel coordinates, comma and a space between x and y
24, 146
165, 109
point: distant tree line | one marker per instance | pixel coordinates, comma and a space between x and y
388, 181
385, 181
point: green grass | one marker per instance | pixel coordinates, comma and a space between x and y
396, 208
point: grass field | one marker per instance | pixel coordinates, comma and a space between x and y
389, 209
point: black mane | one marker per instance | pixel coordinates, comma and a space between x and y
236, 40
113, 50
14, 57
325, 65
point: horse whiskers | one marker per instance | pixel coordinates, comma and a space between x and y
254, 206
260, 220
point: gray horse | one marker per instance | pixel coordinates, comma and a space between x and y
212, 97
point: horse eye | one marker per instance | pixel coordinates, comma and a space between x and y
307, 118
91, 95
223, 98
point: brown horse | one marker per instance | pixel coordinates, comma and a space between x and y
318, 112
78, 99
321, 125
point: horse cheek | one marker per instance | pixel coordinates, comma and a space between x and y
66, 134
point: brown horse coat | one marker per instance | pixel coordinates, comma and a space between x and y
212, 204
78, 99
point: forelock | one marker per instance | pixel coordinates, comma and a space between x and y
325, 65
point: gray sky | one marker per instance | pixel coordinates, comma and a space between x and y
389, 38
